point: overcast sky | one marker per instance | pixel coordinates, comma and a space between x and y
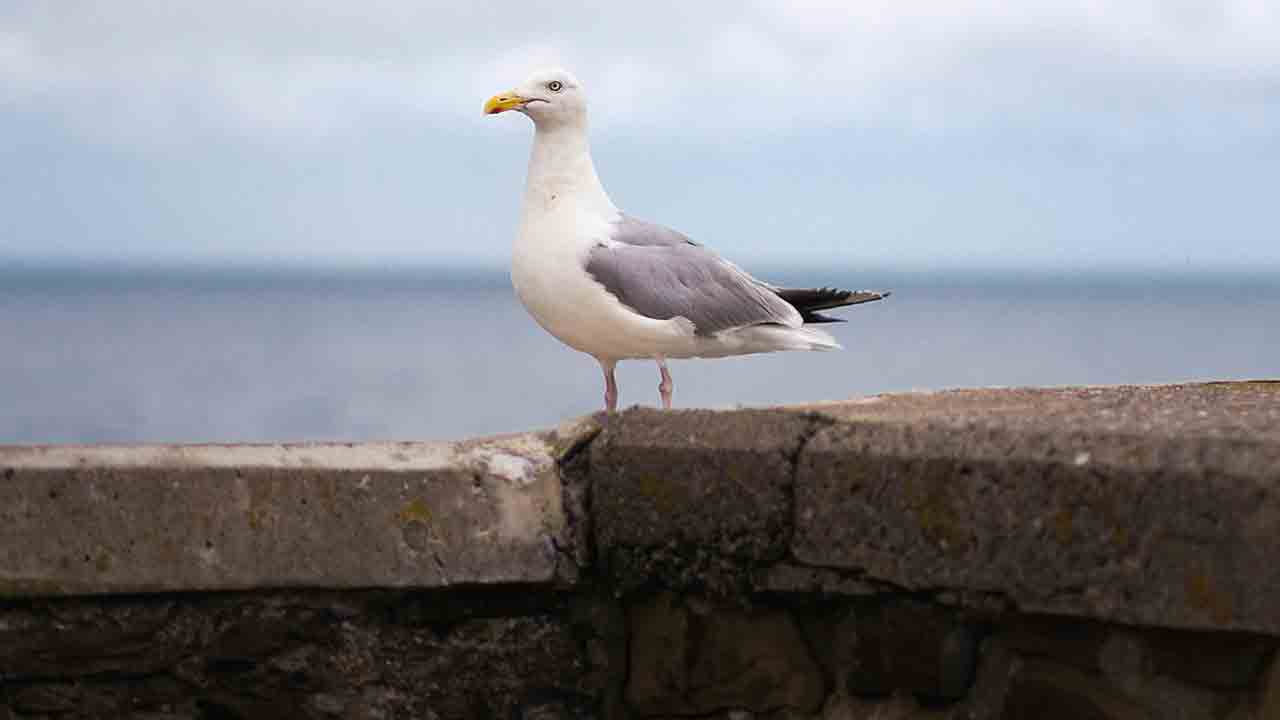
946, 133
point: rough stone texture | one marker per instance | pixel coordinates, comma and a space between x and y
1127, 665
1075, 553
1218, 660
996, 672
510, 652
1044, 689
1039, 665
77, 520
1013, 686
678, 494
1245, 411
909, 647
482, 654
694, 658
1147, 505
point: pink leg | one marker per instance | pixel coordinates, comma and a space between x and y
664, 387
610, 386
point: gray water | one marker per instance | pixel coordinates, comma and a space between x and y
119, 355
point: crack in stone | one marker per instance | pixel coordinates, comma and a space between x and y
577, 488
440, 567
816, 424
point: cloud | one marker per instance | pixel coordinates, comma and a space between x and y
1056, 132
313, 68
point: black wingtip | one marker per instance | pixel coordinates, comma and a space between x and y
813, 318
857, 297
811, 300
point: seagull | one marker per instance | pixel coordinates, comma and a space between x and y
617, 287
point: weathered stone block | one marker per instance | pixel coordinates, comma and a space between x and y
791, 578
307, 655
978, 492
1042, 689
862, 547
706, 483
1120, 680
905, 647
1009, 686
1126, 663
1220, 660
85, 520
691, 658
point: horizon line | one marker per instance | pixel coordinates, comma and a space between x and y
346, 262
476, 266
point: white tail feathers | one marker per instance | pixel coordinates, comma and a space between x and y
766, 338
816, 339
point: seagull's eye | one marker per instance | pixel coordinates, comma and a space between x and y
555, 86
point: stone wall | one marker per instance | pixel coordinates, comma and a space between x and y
1075, 553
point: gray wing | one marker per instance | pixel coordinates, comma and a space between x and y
634, 231
660, 273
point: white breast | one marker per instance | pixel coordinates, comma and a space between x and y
566, 213
547, 270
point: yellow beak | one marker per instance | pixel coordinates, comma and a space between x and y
502, 102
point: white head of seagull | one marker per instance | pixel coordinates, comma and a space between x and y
561, 173
552, 98
616, 287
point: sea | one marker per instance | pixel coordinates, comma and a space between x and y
115, 354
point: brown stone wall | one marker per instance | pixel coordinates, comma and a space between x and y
513, 653
988, 555
488, 654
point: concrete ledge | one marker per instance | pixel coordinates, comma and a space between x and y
1158, 506
678, 495
1154, 505
91, 520
972, 555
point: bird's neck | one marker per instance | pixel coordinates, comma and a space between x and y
561, 171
